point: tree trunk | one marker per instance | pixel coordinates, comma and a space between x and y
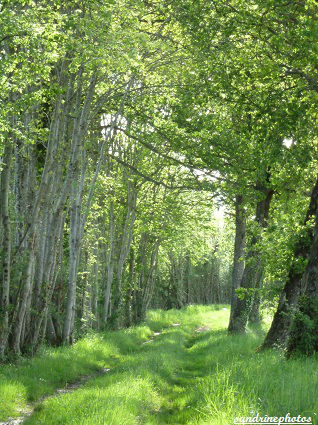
238, 263
95, 319
49, 279
149, 284
110, 263
74, 243
6, 249
77, 184
303, 337
124, 248
25, 293
252, 271
279, 330
255, 316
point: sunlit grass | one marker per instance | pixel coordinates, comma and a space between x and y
180, 377
31, 379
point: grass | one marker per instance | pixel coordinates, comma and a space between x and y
180, 377
31, 379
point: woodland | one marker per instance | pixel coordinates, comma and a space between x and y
157, 154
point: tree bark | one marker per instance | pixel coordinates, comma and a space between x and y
74, 243
279, 330
252, 271
27, 287
303, 337
6, 249
239, 250
110, 263
124, 248
75, 179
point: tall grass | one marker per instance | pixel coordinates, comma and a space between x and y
31, 379
180, 377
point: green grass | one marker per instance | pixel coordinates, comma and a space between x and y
31, 379
181, 377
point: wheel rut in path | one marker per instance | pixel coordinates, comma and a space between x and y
29, 409
185, 376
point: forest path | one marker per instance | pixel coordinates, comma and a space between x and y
161, 370
179, 401
179, 367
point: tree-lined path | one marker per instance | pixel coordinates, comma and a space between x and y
156, 154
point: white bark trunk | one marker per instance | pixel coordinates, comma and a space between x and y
110, 263
6, 249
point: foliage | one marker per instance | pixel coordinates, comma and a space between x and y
123, 125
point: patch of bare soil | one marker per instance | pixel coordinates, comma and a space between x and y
149, 340
203, 329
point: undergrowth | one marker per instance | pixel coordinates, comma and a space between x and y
178, 377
